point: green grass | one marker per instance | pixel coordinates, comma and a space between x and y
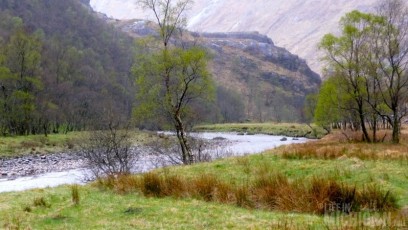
105, 209
284, 129
391, 175
23, 145
53, 143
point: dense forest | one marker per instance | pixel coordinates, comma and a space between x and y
61, 67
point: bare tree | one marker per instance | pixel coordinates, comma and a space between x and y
110, 151
165, 150
391, 50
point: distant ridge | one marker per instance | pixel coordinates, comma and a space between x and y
297, 25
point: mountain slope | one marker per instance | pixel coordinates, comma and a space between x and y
83, 71
272, 83
297, 25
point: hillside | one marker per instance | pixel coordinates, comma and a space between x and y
271, 82
82, 71
296, 25
76, 71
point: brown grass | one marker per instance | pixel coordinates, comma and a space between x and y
336, 146
267, 191
205, 186
75, 194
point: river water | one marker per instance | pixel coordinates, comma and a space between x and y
236, 145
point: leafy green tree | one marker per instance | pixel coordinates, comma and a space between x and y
171, 77
327, 109
345, 56
372, 57
21, 82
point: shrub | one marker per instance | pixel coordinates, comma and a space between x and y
108, 152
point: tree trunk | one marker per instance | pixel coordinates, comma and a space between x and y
375, 127
395, 129
188, 156
363, 126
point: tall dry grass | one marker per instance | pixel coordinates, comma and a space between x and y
335, 146
267, 191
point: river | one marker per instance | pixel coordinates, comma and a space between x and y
236, 145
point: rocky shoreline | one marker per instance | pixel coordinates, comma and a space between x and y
38, 163
35, 164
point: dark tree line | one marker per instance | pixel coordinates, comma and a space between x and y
61, 68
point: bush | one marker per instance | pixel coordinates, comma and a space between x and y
108, 152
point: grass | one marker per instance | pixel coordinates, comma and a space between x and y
107, 210
274, 192
53, 143
23, 145
279, 129
335, 146
220, 195
324, 184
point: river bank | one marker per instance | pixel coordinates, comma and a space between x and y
35, 164
58, 166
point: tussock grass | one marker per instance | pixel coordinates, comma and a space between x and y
324, 184
75, 194
40, 202
273, 192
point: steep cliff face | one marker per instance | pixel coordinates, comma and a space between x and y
272, 82
297, 25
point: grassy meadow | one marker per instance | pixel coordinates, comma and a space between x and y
329, 183
53, 143
270, 128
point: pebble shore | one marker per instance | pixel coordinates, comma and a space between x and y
34, 164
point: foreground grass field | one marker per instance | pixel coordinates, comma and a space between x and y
279, 129
128, 202
301, 186
107, 210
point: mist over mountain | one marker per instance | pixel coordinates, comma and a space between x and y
297, 25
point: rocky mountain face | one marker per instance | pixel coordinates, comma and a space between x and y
297, 25
271, 82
